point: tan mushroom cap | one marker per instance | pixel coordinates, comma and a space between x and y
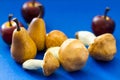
103, 48
73, 54
50, 63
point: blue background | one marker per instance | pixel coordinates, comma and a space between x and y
68, 16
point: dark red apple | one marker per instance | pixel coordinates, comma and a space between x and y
31, 9
103, 24
7, 29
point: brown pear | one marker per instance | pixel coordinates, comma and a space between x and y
23, 47
37, 32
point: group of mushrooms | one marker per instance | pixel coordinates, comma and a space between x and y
73, 53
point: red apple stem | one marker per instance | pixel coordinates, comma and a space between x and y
9, 19
106, 11
33, 2
40, 12
16, 21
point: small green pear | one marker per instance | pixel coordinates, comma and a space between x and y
23, 47
37, 32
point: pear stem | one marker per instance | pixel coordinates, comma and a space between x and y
9, 19
33, 2
106, 11
16, 21
40, 12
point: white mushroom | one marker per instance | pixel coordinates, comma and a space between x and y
102, 47
32, 64
49, 63
54, 51
86, 37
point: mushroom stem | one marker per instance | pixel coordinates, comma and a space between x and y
49, 63
33, 64
85, 37
9, 19
16, 21
106, 11
54, 51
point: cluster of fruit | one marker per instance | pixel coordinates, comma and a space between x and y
23, 43
100, 24
71, 53
29, 10
33, 39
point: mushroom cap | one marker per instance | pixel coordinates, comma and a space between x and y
55, 38
103, 48
50, 63
73, 54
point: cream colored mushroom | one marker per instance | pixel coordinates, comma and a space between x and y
49, 63
86, 37
103, 48
73, 54
54, 51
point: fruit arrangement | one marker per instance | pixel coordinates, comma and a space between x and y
7, 29
71, 53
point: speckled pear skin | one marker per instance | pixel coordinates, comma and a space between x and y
37, 32
23, 47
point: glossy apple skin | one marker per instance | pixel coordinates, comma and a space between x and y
29, 11
7, 31
101, 25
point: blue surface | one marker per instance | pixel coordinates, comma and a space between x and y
68, 16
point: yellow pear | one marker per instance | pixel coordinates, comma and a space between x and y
23, 47
37, 32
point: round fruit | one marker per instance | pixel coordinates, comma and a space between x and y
103, 24
32, 9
